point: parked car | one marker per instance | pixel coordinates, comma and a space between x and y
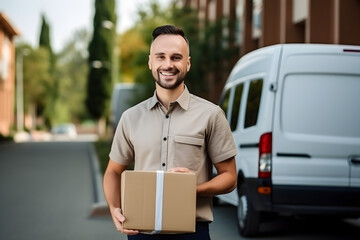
294, 111
64, 131
122, 99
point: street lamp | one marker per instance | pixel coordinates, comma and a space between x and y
19, 90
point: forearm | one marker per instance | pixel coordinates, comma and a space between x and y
224, 182
112, 184
112, 187
221, 184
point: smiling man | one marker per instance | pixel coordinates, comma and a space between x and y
173, 131
169, 60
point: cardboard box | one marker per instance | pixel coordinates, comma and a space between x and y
159, 202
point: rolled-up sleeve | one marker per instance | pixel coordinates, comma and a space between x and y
122, 150
220, 141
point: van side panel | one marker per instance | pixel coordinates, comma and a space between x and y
317, 118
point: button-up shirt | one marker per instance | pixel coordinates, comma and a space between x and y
192, 133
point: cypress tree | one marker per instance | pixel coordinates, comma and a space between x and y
47, 111
44, 39
101, 50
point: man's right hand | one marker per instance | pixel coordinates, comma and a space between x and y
118, 219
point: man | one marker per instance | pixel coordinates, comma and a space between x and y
173, 131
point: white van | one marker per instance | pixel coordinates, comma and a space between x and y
294, 110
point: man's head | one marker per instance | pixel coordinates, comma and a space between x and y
169, 58
169, 29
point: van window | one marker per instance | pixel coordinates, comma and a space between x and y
253, 103
321, 104
224, 103
236, 107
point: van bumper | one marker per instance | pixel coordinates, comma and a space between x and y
289, 199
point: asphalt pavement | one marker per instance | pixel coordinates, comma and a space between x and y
52, 190
48, 191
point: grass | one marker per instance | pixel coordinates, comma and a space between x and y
102, 148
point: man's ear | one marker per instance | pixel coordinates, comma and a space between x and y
188, 64
149, 64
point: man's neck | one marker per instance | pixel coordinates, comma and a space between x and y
166, 96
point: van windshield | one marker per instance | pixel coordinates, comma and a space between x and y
321, 104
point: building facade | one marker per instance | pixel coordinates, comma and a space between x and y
7, 75
260, 23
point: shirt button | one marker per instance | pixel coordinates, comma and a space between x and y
163, 164
164, 138
167, 116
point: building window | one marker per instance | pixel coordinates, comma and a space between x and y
256, 21
239, 21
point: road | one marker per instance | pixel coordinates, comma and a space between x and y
285, 228
47, 191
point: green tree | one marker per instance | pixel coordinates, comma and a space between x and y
44, 39
44, 43
72, 69
36, 79
101, 50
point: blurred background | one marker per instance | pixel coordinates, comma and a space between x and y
60, 62
68, 69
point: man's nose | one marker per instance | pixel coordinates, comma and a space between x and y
168, 63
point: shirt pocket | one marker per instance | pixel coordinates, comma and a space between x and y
188, 152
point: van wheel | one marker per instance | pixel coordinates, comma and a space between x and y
248, 218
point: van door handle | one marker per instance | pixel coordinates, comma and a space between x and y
298, 155
355, 160
249, 145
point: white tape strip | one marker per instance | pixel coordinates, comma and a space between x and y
159, 201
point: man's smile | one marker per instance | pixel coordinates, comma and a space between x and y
167, 73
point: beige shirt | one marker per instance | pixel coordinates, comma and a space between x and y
193, 133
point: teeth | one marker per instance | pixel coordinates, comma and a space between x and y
167, 74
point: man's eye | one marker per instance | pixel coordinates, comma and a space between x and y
176, 58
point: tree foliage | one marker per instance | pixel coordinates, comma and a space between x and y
36, 79
101, 50
72, 70
48, 112
44, 39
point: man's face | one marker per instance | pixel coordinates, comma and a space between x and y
169, 60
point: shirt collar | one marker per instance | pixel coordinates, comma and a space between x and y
183, 100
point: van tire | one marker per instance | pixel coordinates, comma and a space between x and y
248, 218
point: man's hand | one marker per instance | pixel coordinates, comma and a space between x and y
118, 220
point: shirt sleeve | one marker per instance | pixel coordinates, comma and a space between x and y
220, 141
122, 150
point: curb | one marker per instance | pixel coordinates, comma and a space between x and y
99, 208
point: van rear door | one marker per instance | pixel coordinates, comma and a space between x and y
316, 135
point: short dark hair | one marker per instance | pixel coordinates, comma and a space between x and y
168, 29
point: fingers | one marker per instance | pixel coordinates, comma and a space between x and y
118, 215
118, 220
180, 170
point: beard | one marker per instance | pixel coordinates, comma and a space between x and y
162, 83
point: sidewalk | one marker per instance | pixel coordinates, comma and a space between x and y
48, 191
